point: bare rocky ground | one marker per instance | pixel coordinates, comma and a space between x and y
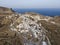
29, 29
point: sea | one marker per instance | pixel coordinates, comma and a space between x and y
44, 11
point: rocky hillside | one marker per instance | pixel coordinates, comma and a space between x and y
6, 11
29, 29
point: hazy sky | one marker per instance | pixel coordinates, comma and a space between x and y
30, 3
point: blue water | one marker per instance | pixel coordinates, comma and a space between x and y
47, 12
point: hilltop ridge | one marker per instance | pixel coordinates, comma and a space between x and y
28, 28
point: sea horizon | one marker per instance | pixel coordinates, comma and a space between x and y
43, 11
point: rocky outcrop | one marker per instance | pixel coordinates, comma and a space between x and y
23, 24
